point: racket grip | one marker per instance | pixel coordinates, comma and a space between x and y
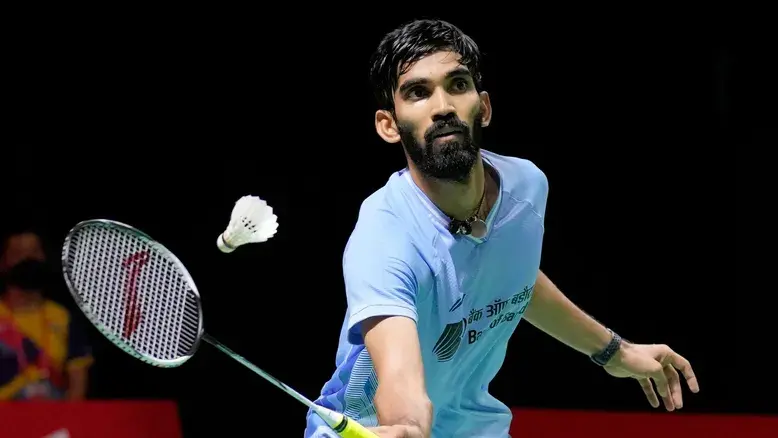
349, 428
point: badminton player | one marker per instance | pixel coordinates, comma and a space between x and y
444, 262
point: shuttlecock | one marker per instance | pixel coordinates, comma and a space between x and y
252, 221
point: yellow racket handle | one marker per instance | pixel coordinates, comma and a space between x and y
349, 428
344, 426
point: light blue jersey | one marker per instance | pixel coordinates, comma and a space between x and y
466, 295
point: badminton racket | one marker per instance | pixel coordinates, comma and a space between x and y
140, 296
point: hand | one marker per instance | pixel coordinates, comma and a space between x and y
657, 363
397, 432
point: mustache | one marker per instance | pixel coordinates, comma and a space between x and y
439, 126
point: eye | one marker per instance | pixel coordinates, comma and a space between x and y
461, 85
417, 93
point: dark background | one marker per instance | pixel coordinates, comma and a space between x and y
164, 123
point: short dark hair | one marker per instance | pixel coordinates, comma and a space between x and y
412, 41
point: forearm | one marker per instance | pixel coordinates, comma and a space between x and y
553, 313
406, 408
77, 384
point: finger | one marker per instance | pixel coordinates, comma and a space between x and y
648, 389
674, 382
683, 365
662, 387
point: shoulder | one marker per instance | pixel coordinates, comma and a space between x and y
518, 175
60, 317
387, 221
521, 179
381, 233
56, 311
387, 234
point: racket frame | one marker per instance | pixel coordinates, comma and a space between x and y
115, 338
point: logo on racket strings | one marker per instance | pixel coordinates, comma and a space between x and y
132, 311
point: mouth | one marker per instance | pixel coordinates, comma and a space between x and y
445, 132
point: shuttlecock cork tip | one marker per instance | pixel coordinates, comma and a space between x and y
223, 245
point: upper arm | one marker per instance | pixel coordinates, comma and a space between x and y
384, 275
392, 341
381, 274
393, 344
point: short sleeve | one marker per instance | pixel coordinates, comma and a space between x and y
380, 277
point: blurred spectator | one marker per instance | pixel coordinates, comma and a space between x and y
23, 245
43, 354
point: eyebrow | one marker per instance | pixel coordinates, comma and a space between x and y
410, 83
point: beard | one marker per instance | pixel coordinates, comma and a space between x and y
452, 160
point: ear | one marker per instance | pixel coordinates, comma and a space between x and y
486, 109
386, 127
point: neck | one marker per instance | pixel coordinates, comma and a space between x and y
18, 299
455, 199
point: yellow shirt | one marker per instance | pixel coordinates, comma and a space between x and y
37, 347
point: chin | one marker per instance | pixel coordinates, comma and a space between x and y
454, 168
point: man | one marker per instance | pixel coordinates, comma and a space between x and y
43, 353
444, 262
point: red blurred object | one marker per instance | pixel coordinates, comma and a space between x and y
92, 419
159, 419
582, 424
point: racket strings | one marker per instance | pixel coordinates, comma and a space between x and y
190, 327
134, 294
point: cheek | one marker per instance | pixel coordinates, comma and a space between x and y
475, 111
422, 129
469, 110
413, 127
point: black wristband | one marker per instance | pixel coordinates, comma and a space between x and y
610, 350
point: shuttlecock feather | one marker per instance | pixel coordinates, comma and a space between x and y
252, 221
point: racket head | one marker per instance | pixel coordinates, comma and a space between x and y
135, 291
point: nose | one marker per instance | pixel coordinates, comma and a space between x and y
443, 109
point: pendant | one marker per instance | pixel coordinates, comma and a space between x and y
478, 229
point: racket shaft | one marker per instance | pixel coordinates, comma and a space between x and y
258, 370
344, 426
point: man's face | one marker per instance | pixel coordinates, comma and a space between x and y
20, 247
439, 116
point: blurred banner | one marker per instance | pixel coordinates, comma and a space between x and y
159, 419
584, 424
95, 419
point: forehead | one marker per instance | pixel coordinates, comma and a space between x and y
433, 67
23, 242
